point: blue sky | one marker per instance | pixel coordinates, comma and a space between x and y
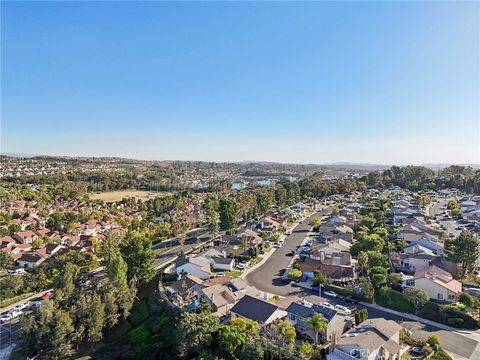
385, 82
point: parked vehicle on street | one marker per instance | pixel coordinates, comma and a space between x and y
21, 307
20, 271
241, 266
328, 305
343, 310
330, 293
5, 317
16, 313
220, 274
351, 300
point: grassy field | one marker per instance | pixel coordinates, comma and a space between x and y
112, 196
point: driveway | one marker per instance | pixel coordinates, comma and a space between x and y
268, 277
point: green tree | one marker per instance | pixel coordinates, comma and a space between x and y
66, 282
56, 221
362, 261
231, 338
212, 216
369, 222
180, 223
463, 250
366, 286
89, 312
318, 323
5, 260
228, 214
418, 297
116, 269
281, 336
195, 332
139, 255
360, 316
48, 333
319, 279
378, 280
452, 204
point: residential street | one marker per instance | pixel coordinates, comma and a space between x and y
268, 278
436, 208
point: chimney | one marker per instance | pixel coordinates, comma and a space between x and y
224, 253
322, 255
213, 299
265, 295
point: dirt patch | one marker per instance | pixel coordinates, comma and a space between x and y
112, 196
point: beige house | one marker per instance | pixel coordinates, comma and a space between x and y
438, 283
373, 339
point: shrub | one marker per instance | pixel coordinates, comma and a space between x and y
433, 340
139, 341
294, 274
455, 321
305, 350
361, 316
466, 299
441, 354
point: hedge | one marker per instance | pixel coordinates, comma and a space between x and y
447, 315
394, 300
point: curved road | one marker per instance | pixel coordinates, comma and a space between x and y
268, 277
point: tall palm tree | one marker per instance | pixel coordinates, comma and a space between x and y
318, 324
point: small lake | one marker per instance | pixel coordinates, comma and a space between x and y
244, 184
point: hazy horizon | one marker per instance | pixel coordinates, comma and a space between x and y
310, 83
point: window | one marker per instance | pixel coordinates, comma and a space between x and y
440, 296
291, 317
451, 297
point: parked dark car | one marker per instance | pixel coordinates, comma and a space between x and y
351, 300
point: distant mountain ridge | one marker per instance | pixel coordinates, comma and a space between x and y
338, 165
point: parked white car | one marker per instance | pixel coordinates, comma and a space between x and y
328, 305
330, 293
343, 310
241, 266
16, 313
16, 272
21, 307
5, 317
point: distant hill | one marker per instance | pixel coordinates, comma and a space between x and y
441, 166
358, 166
19, 155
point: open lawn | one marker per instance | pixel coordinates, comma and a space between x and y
112, 196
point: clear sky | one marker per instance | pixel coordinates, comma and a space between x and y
384, 82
